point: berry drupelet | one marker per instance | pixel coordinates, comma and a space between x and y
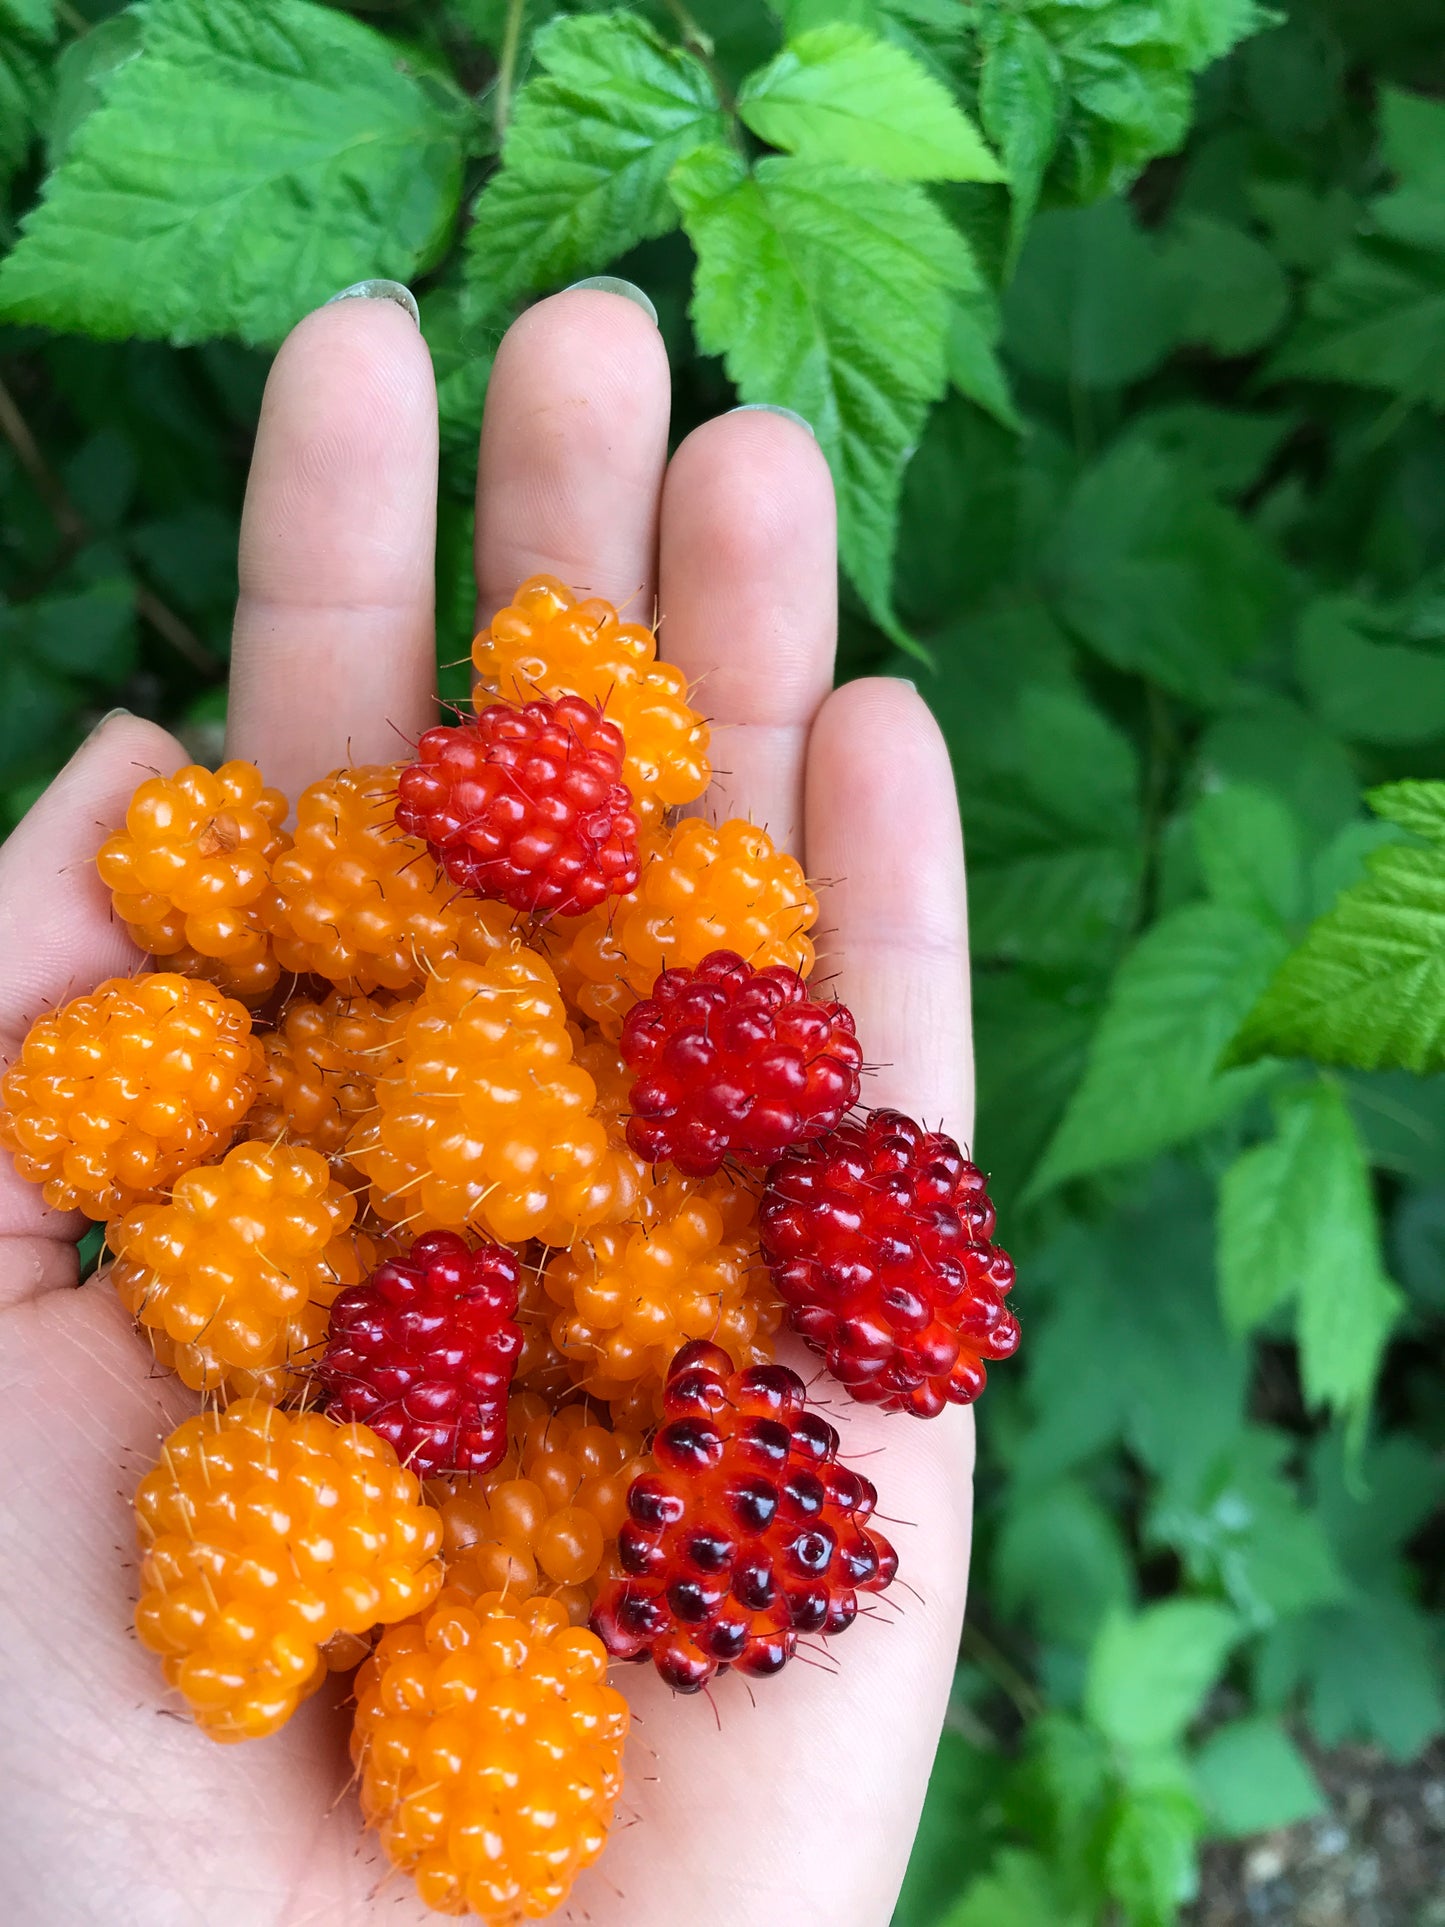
744, 1535
423, 1352
735, 1062
877, 1237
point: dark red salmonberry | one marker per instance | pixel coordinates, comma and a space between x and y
744, 1534
735, 1062
527, 805
878, 1240
424, 1353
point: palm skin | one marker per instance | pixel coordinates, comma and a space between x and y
798, 1801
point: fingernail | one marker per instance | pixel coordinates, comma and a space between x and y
109, 717
904, 683
380, 291
772, 408
610, 284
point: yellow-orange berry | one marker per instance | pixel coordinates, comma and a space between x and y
117, 1093
232, 1278
548, 1515
709, 887
190, 874
364, 906
264, 1536
320, 1069
490, 1753
548, 642
630, 1296
483, 1121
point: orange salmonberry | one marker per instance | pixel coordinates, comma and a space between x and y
120, 1091
489, 1747
547, 1517
629, 1296
264, 1536
363, 905
319, 1071
706, 887
548, 642
483, 1121
190, 874
231, 1279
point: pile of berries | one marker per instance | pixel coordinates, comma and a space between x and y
465, 1148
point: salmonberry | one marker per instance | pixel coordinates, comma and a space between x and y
120, 1091
547, 1516
629, 1296
231, 1278
319, 1071
264, 1535
745, 1533
362, 905
878, 1238
483, 1120
526, 805
548, 643
424, 1350
489, 1749
190, 874
735, 1062
707, 887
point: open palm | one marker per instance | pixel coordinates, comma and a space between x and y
799, 1801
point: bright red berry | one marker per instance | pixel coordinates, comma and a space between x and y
877, 1238
527, 805
735, 1062
744, 1534
424, 1353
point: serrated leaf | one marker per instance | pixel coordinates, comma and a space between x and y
1375, 318
1414, 805
1224, 448
827, 290
1371, 1670
1090, 302
1149, 1855
1149, 1673
973, 364
1366, 987
1019, 1891
82, 73
1230, 292
1363, 680
1266, 1216
840, 93
1159, 578
1152, 1079
1022, 101
591, 141
1253, 1778
1250, 851
1063, 1527
255, 157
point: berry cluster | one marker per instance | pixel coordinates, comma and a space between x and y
483, 1130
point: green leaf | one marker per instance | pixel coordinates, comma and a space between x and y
1149, 1855
1375, 318
1152, 1079
1413, 134
25, 86
1250, 851
1414, 806
589, 147
1230, 292
1090, 303
842, 94
89, 633
955, 1832
1021, 99
1061, 1529
827, 290
1253, 1778
1373, 1504
1224, 449
1019, 1891
255, 157
1365, 684
1159, 578
82, 73
1267, 1203
1031, 1041
1275, 745
1149, 1673
973, 363
1371, 1670
36, 18
1367, 985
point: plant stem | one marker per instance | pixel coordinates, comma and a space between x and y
1002, 1671
507, 64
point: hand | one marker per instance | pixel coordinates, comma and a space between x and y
800, 1807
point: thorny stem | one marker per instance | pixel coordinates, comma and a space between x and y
507, 64
75, 530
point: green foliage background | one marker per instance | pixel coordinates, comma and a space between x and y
1122, 323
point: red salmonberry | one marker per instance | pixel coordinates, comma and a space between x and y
735, 1062
527, 805
424, 1352
744, 1534
877, 1237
